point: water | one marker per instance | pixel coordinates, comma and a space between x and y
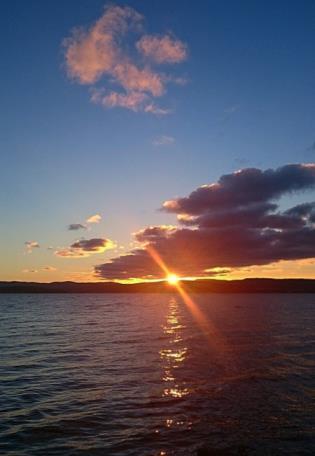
140, 375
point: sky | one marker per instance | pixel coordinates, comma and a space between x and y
110, 109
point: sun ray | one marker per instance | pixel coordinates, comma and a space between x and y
206, 326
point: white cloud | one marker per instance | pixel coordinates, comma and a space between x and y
163, 140
94, 218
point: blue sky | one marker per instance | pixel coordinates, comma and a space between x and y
248, 101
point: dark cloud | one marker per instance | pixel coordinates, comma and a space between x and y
76, 226
85, 247
232, 223
249, 185
302, 210
259, 215
90, 245
152, 233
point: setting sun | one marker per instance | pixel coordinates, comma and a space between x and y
172, 279
158, 227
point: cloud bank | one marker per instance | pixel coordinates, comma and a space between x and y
101, 52
234, 222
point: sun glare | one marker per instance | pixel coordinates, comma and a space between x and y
172, 279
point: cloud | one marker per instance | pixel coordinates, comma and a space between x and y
30, 245
163, 140
249, 185
92, 245
91, 54
96, 218
153, 109
152, 233
232, 223
68, 252
100, 52
132, 100
46, 269
85, 247
135, 101
76, 226
162, 49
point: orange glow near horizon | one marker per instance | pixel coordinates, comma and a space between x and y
206, 326
173, 279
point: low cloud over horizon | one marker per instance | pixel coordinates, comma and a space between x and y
133, 81
232, 223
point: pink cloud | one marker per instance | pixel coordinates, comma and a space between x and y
98, 52
93, 53
133, 78
162, 49
153, 109
131, 100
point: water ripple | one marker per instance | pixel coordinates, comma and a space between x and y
134, 375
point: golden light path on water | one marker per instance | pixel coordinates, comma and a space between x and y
173, 355
210, 332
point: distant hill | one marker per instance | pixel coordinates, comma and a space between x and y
197, 286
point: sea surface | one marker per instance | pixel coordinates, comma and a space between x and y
150, 375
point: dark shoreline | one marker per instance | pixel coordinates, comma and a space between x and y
197, 286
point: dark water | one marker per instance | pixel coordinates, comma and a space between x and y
135, 375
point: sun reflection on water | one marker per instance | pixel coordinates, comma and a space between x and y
174, 354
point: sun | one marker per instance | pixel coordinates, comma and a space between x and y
172, 279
